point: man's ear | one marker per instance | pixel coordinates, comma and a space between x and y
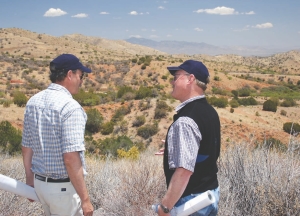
192, 78
69, 74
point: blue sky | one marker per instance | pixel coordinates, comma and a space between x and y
269, 23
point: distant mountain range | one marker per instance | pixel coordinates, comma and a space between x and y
191, 48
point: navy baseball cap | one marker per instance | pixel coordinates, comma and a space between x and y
197, 68
67, 62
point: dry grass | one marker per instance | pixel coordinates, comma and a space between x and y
252, 182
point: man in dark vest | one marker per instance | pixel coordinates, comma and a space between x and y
192, 144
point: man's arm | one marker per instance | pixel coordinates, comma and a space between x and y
27, 158
75, 172
176, 188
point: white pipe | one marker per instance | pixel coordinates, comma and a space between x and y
199, 202
17, 187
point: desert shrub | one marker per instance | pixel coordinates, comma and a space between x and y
258, 182
94, 120
219, 91
122, 128
107, 128
133, 153
269, 105
283, 112
290, 127
139, 121
20, 99
235, 93
275, 100
120, 113
244, 92
129, 96
218, 102
289, 102
217, 78
147, 130
247, 101
144, 105
234, 103
87, 98
231, 110
143, 92
123, 90
6, 103
161, 110
273, 144
110, 146
134, 60
10, 138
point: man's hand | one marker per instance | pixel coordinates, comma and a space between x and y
161, 213
161, 151
87, 208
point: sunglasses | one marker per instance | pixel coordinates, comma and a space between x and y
82, 76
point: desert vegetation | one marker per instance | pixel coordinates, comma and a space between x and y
253, 181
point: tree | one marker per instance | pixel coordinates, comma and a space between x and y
94, 120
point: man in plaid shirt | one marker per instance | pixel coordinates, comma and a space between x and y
53, 141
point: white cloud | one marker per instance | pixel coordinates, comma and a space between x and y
198, 29
153, 30
133, 13
299, 32
161, 7
136, 36
147, 13
250, 13
246, 28
144, 29
52, 12
127, 30
169, 35
81, 15
218, 10
153, 36
104, 13
263, 26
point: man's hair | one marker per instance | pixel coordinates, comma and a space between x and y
202, 85
57, 76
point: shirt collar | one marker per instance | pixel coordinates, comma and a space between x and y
57, 87
180, 106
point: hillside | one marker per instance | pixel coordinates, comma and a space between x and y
25, 57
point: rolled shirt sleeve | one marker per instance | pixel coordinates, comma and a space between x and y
183, 144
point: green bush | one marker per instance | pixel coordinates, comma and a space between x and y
289, 102
20, 99
273, 143
139, 121
147, 131
10, 138
120, 113
143, 92
219, 91
218, 102
269, 106
87, 98
123, 90
234, 103
289, 127
109, 146
247, 101
283, 112
107, 128
94, 120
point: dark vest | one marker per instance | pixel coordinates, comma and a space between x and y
205, 173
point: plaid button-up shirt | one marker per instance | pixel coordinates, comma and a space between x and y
54, 124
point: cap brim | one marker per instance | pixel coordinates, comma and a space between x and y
85, 69
173, 69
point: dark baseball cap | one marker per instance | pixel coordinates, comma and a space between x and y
67, 62
197, 68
